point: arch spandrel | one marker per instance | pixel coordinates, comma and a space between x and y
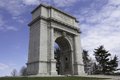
68, 37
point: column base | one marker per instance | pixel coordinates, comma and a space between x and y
53, 67
79, 69
53, 73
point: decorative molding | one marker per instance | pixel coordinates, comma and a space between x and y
77, 63
37, 62
54, 20
64, 34
51, 7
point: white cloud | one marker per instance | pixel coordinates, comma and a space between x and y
14, 7
31, 2
59, 3
63, 3
11, 28
2, 23
6, 69
5, 27
114, 2
17, 7
3, 66
101, 27
19, 19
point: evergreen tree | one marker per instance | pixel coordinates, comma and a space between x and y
113, 64
86, 61
23, 71
89, 64
85, 56
105, 65
102, 57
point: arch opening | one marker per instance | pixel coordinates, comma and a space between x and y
62, 54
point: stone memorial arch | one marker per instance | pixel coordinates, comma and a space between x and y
50, 25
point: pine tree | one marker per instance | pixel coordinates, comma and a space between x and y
23, 71
89, 65
85, 56
105, 64
102, 57
113, 64
85, 60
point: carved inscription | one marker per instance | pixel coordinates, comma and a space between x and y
63, 18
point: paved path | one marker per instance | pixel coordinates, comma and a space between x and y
97, 76
104, 76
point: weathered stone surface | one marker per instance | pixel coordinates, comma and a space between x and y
50, 25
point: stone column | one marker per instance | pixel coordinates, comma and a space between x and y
79, 68
72, 61
52, 60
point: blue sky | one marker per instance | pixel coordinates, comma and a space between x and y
99, 23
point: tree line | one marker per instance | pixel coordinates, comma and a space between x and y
22, 72
103, 64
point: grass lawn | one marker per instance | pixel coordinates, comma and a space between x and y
50, 78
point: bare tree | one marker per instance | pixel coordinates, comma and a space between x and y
14, 73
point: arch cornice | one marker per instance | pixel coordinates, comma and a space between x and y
50, 19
